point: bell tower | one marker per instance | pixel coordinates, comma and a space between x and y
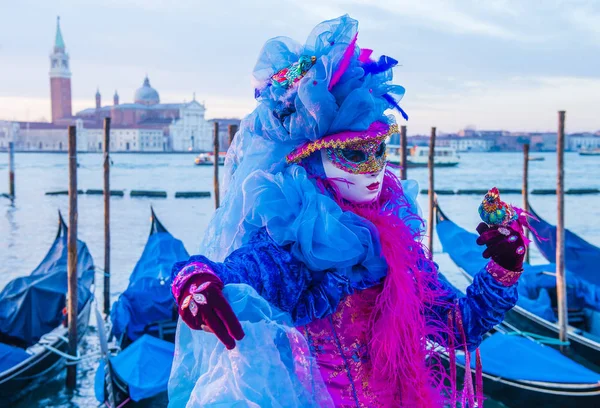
60, 78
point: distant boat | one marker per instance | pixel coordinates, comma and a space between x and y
32, 327
208, 159
418, 156
537, 158
590, 152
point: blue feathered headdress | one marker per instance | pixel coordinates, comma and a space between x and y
325, 86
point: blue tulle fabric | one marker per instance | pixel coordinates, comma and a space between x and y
270, 367
285, 119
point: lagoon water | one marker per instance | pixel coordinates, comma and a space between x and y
28, 227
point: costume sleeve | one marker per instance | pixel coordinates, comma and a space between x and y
488, 298
280, 278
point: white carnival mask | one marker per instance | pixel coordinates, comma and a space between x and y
358, 187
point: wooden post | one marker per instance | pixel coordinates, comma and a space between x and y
106, 216
403, 164
232, 131
431, 194
216, 159
72, 257
525, 190
561, 283
11, 170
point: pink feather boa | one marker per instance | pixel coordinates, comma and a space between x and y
405, 368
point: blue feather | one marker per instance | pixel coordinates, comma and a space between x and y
384, 63
392, 102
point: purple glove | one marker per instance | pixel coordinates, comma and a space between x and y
504, 244
202, 305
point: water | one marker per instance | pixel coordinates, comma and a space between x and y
28, 227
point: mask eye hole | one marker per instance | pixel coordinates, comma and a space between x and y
380, 150
353, 155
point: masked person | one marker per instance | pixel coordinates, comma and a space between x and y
313, 287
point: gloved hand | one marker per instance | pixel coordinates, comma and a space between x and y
203, 306
504, 245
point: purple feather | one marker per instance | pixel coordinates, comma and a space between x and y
365, 55
393, 102
344, 63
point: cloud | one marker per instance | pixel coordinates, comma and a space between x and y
508, 63
587, 21
438, 15
520, 103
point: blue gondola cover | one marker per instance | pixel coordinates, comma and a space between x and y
32, 306
534, 283
10, 356
518, 358
145, 366
148, 298
580, 255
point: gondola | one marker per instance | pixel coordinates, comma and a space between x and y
520, 372
580, 255
33, 331
534, 314
524, 374
144, 321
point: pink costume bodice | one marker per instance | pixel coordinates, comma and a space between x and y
339, 343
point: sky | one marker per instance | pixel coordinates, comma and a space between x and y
489, 64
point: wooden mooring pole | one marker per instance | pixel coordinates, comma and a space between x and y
216, 160
431, 193
403, 164
72, 258
525, 191
11, 170
232, 131
561, 283
106, 216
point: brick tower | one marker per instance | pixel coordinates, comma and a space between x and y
60, 78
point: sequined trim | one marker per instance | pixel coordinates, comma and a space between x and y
504, 231
343, 140
504, 276
372, 164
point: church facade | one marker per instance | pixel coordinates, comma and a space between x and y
145, 124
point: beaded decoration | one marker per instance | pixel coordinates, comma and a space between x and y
494, 211
195, 298
377, 133
289, 76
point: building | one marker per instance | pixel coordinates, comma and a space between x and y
191, 131
146, 124
183, 125
60, 80
579, 141
125, 139
8, 133
224, 125
471, 144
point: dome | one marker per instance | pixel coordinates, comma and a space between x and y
146, 95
